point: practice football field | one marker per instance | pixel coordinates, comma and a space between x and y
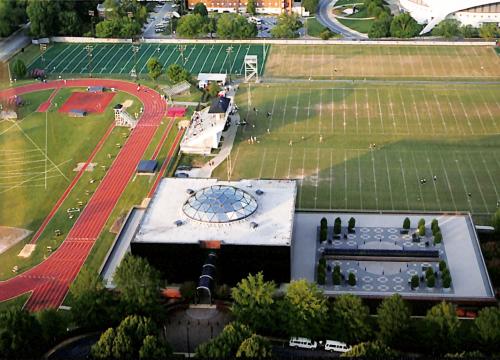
368, 146
119, 59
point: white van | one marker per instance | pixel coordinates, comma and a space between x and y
337, 346
303, 343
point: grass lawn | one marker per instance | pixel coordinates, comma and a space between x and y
314, 27
25, 198
385, 62
360, 25
419, 131
17, 302
348, 2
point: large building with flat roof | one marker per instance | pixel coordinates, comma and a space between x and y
468, 12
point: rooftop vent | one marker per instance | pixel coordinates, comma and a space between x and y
253, 225
190, 191
178, 222
259, 192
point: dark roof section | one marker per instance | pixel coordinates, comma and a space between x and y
219, 105
147, 166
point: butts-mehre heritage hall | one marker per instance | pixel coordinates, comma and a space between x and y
217, 232
248, 224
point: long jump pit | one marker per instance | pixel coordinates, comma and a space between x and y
90, 102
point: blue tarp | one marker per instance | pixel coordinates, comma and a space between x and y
77, 113
96, 89
147, 166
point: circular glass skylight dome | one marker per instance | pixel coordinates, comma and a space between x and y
219, 204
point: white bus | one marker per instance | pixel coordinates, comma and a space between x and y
303, 343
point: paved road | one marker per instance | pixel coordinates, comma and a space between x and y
325, 19
14, 42
158, 15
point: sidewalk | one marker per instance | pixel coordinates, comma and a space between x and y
10, 45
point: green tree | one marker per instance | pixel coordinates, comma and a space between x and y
406, 224
19, 335
415, 281
12, 14
107, 28
495, 222
255, 346
188, 290
446, 280
326, 34
177, 73
226, 344
421, 230
154, 68
489, 31
351, 279
303, 309
431, 281
310, 5
351, 224
253, 302
321, 275
449, 28
69, 23
201, 9
128, 28
286, 26
469, 31
252, 7
19, 69
438, 238
442, 265
349, 319
337, 226
442, 326
393, 319
336, 278
487, 326
213, 89
103, 348
380, 28
235, 26
154, 349
434, 225
191, 26
92, 306
43, 15
211, 26
53, 325
139, 286
371, 350
404, 26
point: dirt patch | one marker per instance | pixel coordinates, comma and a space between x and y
9, 236
127, 103
117, 225
90, 167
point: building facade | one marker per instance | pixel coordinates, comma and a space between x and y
263, 6
468, 12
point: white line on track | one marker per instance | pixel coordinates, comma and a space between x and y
404, 113
119, 60
415, 168
57, 56
434, 182
471, 166
195, 60
216, 58
368, 112
234, 60
389, 180
111, 60
206, 58
105, 56
380, 111
462, 179
64, 59
140, 58
374, 180
443, 166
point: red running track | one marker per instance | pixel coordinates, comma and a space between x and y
50, 280
45, 106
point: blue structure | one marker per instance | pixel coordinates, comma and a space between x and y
147, 166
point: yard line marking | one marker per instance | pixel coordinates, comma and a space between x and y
429, 113
55, 58
374, 180
126, 64
162, 53
465, 111
418, 180
344, 108
440, 113
392, 111
276, 162
345, 179
169, 56
448, 182
433, 182
296, 112
463, 183
310, 67
110, 48
331, 177
477, 112
290, 162
208, 55
308, 109
368, 112
111, 59
356, 109
489, 173
62, 61
317, 180
262, 163
80, 56
243, 63
44, 154
140, 58
284, 107
270, 124
77, 66
222, 65
320, 109
488, 109
33, 178
389, 180
460, 129
195, 60
432, 65
216, 58
323, 60
360, 180
85, 67
234, 60
302, 178
333, 110
410, 58
186, 58
380, 111
120, 59
404, 113
477, 182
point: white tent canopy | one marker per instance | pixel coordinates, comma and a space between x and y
212, 77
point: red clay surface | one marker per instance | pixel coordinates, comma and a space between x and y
176, 111
87, 101
45, 106
50, 280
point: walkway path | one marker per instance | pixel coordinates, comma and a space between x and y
50, 280
326, 18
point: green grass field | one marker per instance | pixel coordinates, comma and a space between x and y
34, 172
420, 131
118, 59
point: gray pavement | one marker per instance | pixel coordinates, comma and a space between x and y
156, 17
326, 18
9, 46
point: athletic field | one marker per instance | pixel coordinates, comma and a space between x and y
383, 61
368, 146
119, 59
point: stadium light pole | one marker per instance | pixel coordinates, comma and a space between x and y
135, 50
89, 49
181, 49
43, 48
229, 50
92, 14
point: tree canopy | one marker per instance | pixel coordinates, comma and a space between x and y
489, 31
177, 73
381, 27
349, 319
19, 335
393, 318
487, 325
226, 344
310, 5
255, 346
449, 28
286, 26
19, 69
154, 68
254, 301
12, 14
200, 9
235, 26
252, 7
191, 25
371, 350
404, 26
43, 15
53, 325
442, 326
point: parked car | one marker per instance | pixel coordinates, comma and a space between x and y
184, 167
181, 175
303, 343
336, 346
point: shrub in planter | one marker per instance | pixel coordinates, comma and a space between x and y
323, 223
406, 223
336, 268
322, 262
337, 227
434, 225
421, 230
442, 265
415, 282
351, 280
446, 281
336, 278
438, 238
429, 272
421, 222
323, 234
321, 275
431, 281
351, 225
